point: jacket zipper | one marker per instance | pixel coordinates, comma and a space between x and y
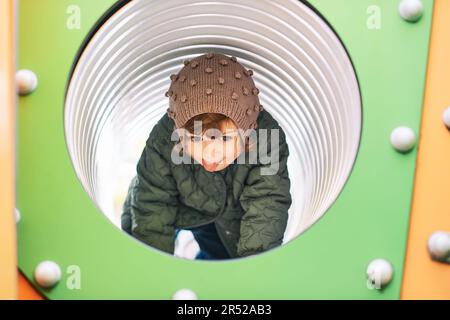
218, 216
225, 243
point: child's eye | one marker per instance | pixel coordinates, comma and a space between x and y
227, 138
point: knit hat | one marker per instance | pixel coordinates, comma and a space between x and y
214, 83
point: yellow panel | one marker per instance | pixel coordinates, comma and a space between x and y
424, 278
8, 274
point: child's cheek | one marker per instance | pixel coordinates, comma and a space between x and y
194, 150
232, 151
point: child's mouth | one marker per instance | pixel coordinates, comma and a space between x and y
209, 166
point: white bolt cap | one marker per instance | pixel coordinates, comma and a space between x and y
26, 81
439, 245
379, 273
411, 10
446, 117
17, 213
47, 274
184, 294
403, 139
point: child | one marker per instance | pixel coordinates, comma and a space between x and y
233, 206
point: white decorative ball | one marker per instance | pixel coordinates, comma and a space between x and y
411, 10
446, 117
403, 139
17, 213
26, 81
379, 273
184, 294
439, 245
47, 274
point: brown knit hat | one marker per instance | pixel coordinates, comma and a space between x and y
214, 83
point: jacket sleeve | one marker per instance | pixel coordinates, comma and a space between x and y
266, 200
154, 204
126, 208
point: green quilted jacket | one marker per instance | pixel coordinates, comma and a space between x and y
250, 209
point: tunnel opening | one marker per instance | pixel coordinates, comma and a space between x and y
306, 78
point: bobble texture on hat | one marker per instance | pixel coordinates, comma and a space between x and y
214, 83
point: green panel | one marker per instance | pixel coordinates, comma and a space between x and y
369, 220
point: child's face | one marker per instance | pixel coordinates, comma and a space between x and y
216, 149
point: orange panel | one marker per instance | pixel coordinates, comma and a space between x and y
26, 290
424, 278
8, 274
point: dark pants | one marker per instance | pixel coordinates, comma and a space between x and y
211, 247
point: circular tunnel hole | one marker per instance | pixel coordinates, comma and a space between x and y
307, 82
